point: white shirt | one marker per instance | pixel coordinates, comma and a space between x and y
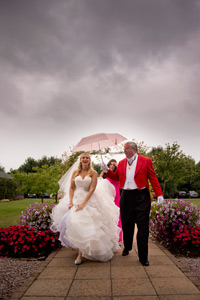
130, 183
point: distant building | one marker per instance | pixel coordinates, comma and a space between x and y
5, 175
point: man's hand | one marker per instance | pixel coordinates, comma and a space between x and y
160, 199
104, 167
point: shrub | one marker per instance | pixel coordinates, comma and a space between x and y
173, 217
7, 188
23, 241
17, 198
37, 215
188, 240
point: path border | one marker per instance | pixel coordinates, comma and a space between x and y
17, 295
189, 274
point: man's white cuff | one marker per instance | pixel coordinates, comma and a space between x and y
160, 199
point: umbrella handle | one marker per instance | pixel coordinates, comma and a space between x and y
100, 152
101, 157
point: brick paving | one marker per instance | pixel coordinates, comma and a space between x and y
121, 278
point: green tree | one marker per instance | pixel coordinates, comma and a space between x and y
2, 168
36, 183
69, 161
54, 173
7, 188
40, 181
49, 161
190, 177
97, 168
31, 163
195, 181
23, 181
171, 166
28, 166
43, 179
142, 148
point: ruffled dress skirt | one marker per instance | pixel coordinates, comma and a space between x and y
93, 230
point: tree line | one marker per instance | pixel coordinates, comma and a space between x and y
175, 171
36, 177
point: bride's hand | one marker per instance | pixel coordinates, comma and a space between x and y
70, 205
80, 206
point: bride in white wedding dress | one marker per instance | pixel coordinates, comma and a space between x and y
87, 216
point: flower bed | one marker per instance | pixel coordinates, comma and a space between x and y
17, 198
33, 237
176, 224
12, 199
37, 215
188, 240
23, 241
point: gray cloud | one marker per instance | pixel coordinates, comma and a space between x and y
73, 68
72, 37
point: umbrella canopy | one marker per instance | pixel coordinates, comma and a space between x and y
99, 141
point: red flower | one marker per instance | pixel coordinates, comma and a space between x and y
24, 241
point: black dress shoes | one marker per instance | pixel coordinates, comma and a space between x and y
145, 263
125, 252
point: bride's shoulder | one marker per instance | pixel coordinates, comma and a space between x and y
74, 173
94, 173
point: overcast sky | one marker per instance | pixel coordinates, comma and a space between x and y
74, 68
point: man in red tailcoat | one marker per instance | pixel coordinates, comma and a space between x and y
133, 173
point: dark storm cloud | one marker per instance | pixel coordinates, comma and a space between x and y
74, 37
71, 68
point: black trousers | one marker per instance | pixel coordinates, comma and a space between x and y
135, 208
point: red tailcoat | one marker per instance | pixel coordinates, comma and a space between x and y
144, 171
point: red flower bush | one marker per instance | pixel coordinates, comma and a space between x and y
188, 240
23, 241
176, 224
17, 198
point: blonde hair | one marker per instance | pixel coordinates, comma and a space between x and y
79, 169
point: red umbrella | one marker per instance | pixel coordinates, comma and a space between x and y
99, 141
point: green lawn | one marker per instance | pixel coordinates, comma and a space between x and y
195, 202
10, 211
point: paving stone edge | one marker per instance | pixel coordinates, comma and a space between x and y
29, 281
194, 279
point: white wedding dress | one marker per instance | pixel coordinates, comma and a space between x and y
93, 230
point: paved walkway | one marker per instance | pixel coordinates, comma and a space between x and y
121, 278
